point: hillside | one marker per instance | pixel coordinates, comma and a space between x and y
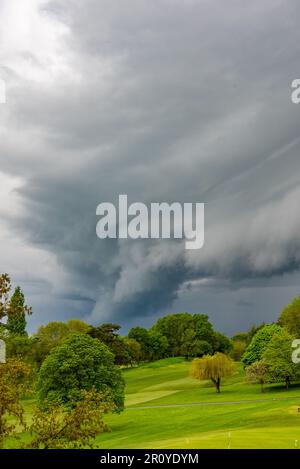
160, 412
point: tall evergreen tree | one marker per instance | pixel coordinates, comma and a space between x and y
16, 319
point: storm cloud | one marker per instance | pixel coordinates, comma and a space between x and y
164, 100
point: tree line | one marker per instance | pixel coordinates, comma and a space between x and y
181, 334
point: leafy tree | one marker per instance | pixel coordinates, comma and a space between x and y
78, 326
153, 344
51, 335
79, 362
134, 350
204, 329
278, 358
193, 347
201, 348
213, 367
241, 337
247, 336
157, 345
258, 373
189, 346
13, 384
259, 343
222, 343
190, 335
108, 335
253, 330
47, 338
290, 317
120, 352
20, 346
141, 335
10, 306
16, 320
73, 428
175, 326
238, 349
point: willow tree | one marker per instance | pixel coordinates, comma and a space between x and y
213, 367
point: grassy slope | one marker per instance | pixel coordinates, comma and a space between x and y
270, 424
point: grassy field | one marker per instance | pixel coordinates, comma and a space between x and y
160, 412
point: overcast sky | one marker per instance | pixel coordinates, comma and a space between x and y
163, 100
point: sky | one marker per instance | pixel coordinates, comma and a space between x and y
162, 100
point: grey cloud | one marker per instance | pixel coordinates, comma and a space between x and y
186, 101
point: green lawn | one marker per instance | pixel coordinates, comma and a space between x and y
272, 423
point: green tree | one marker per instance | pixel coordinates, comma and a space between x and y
290, 317
20, 346
73, 428
134, 350
247, 336
79, 362
108, 334
157, 345
47, 338
175, 326
193, 347
258, 373
13, 384
141, 335
16, 318
52, 334
78, 326
204, 330
238, 349
259, 343
253, 330
213, 367
153, 344
241, 337
221, 343
278, 358
10, 306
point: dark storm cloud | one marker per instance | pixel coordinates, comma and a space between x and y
163, 101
